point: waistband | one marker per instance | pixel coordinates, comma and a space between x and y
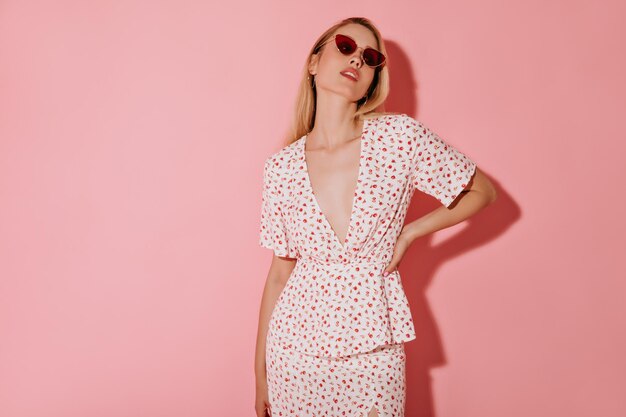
342, 262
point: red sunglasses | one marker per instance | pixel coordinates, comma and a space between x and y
346, 45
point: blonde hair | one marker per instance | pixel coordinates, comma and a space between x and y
304, 111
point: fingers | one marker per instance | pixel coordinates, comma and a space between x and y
390, 268
265, 410
395, 260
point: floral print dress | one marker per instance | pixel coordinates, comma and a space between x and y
335, 342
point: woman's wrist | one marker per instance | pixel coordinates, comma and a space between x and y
411, 231
261, 382
407, 236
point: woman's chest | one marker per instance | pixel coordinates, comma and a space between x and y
380, 194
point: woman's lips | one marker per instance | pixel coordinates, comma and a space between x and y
348, 76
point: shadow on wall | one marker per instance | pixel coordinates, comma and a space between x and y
421, 263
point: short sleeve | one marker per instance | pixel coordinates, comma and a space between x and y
273, 231
438, 168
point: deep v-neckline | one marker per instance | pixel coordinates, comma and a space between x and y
309, 186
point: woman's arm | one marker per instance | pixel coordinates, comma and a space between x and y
277, 277
480, 192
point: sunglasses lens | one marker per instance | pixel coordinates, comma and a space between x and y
372, 57
345, 44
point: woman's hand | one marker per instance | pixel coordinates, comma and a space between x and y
262, 403
402, 244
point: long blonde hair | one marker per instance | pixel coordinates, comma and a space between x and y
304, 111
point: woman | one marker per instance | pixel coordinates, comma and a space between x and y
334, 316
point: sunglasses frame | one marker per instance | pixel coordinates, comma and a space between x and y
334, 38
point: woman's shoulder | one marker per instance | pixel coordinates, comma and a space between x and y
284, 158
396, 121
393, 126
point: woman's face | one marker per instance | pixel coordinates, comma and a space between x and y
329, 63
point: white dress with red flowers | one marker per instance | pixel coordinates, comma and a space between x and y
335, 343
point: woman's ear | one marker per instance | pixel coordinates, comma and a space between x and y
313, 64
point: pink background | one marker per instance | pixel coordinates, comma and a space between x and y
132, 138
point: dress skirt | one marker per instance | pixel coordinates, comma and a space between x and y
305, 385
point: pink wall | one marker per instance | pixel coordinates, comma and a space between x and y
132, 136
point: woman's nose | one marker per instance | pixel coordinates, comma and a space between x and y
357, 58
